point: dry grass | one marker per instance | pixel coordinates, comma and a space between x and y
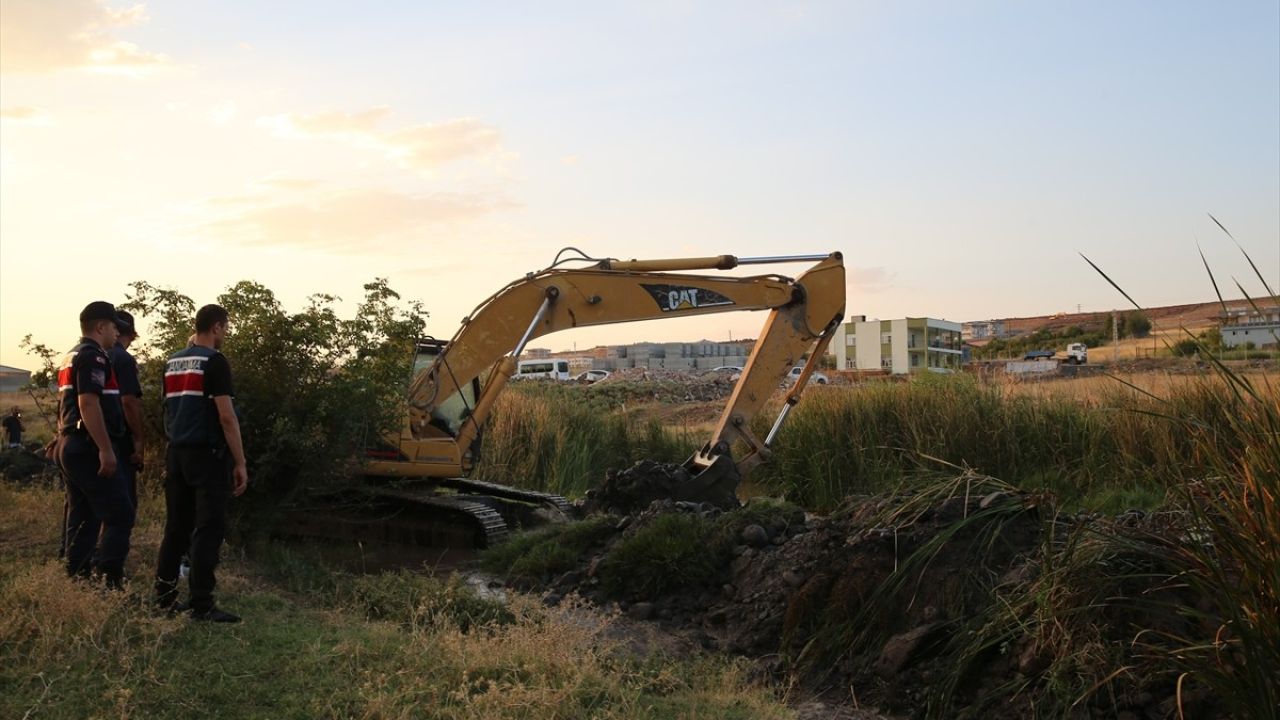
309, 648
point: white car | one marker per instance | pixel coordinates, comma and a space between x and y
733, 371
592, 376
816, 378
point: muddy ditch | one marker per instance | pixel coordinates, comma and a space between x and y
921, 604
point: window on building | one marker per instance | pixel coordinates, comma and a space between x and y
915, 361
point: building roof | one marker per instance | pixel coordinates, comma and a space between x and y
12, 370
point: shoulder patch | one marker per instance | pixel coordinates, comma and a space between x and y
102, 359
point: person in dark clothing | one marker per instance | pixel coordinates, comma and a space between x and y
122, 406
99, 510
13, 427
204, 465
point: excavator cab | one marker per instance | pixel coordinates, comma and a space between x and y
447, 415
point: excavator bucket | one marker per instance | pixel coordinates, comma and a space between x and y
716, 483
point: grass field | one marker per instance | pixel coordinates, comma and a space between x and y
317, 643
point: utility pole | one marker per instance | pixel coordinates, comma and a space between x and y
1115, 336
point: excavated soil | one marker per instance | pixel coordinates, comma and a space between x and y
899, 582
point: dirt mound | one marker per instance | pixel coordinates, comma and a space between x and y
26, 465
889, 597
641, 485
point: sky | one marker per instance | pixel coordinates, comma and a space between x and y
962, 155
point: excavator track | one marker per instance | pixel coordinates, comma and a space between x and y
490, 523
506, 492
399, 516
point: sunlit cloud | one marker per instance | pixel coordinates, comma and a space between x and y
223, 113
40, 36
347, 220
418, 147
24, 115
869, 279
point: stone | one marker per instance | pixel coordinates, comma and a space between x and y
755, 536
641, 611
594, 566
795, 580
902, 649
951, 509
569, 579
624, 523
552, 599
1031, 661
993, 498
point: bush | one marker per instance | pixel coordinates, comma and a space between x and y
540, 554
311, 387
676, 550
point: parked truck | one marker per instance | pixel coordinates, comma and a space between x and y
1077, 354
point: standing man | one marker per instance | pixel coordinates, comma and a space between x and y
123, 406
13, 427
204, 465
97, 497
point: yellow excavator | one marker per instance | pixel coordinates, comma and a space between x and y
419, 474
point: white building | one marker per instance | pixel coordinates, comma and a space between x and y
1246, 325
900, 347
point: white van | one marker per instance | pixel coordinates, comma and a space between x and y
542, 369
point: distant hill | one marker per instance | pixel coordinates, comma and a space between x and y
1196, 316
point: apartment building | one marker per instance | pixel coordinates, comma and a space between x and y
1243, 325
900, 347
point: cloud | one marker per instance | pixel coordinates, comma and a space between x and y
419, 147
347, 220
223, 113
24, 114
48, 35
869, 279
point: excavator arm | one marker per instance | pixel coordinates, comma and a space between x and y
443, 423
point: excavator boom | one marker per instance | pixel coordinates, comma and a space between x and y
446, 412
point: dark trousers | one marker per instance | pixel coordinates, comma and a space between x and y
125, 468
197, 486
100, 512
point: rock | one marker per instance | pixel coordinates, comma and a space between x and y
594, 567
902, 649
755, 536
624, 523
740, 564
1031, 661
729, 590
1019, 574
641, 611
779, 540
569, 579
792, 579
1126, 715
552, 599
951, 510
718, 616
993, 498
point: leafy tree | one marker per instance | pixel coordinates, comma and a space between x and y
311, 387
1137, 325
